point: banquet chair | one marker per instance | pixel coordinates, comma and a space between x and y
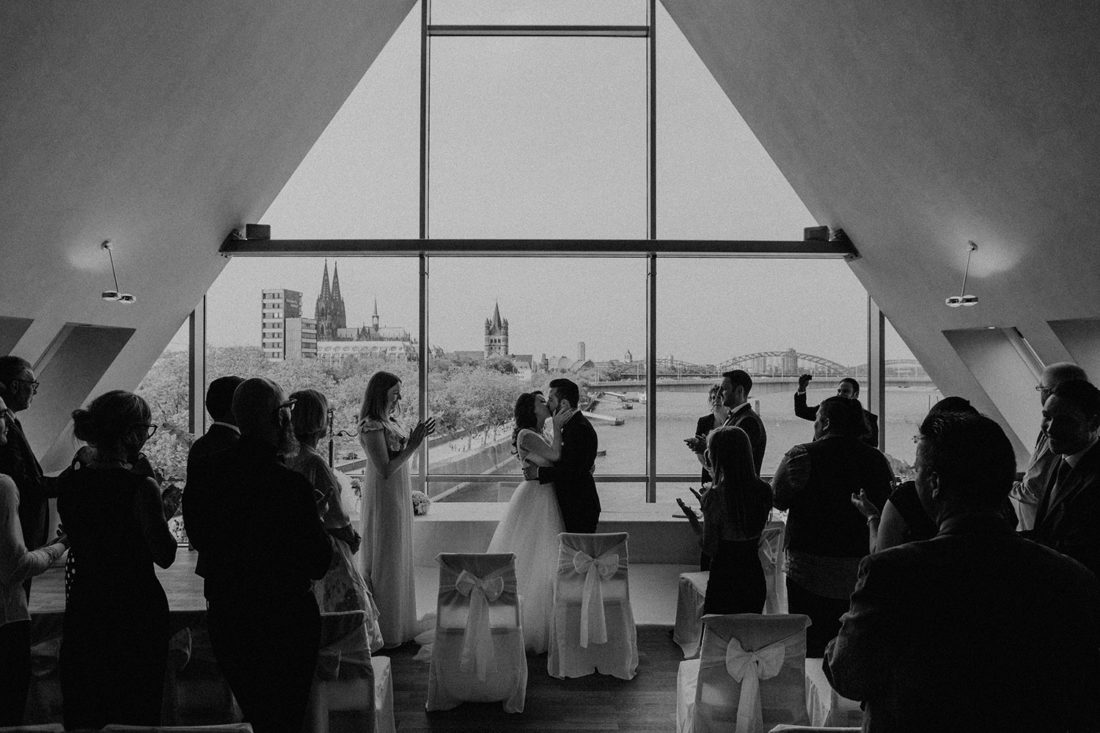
750, 675
478, 654
691, 593
592, 622
345, 692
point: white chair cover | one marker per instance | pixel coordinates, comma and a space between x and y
691, 593
750, 675
771, 559
814, 729
592, 623
344, 677
825, 705
478, 652
383, 695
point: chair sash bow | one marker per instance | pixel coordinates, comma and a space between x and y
594, 570
477, 641
748, 668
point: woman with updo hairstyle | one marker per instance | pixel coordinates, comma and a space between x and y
735, 511
342, 588
115, 643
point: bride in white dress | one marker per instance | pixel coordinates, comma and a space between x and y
533, 520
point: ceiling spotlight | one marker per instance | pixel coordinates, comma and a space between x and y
964, 299
114, 295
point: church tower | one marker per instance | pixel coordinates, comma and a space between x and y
329, 311
496, 334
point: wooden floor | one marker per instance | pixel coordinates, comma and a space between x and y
593, 703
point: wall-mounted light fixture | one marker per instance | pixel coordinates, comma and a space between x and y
114, 295
963, 298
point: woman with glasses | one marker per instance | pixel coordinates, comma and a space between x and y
115, 644
735, 511
342, 588
386, 555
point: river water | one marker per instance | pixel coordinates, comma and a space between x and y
624, 445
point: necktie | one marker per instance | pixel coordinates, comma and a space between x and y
1059, 479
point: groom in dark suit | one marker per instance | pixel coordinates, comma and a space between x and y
572, 474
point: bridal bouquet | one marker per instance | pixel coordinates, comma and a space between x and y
421, 502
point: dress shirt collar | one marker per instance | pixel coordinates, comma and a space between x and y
735, 410
1075, 458
226, 425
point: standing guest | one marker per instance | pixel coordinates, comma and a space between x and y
386, 556
826, 536
256, 528
1028, 491
1068, 517
977, 629
716, 417
18, 387
736, 386
16, 565
342, 588
115, 644
222, 434
735, 511
848, 388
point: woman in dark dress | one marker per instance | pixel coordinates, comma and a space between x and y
115, 644
735, 511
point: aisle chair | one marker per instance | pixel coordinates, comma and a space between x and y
750, 675
691, 592
592, 622
344, 679
478, 654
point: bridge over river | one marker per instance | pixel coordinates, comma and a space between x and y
760, 385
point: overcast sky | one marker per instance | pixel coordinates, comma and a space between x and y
545, 137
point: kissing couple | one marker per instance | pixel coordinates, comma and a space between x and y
557, 495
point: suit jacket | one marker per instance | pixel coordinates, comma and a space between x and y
975, 629
572, 476
17, 460
704, 426
870, 436
255, 526
217, 439
1070, 523
751, 423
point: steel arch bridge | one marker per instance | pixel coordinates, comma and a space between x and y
832, 368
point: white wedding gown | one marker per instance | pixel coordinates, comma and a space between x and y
530, 529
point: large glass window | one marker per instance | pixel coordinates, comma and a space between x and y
775, 319
910, 393
502, 326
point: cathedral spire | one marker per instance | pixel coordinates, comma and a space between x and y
374, 318
335, 280
324, 284
496, 315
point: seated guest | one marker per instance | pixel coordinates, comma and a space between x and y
1068, 517
826, 536
255, 525
735, 511
115, 644
903, 519
1029, 489
848, 388
16, 565
978, 629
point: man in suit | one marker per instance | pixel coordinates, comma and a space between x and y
848, 388
826, 535
223, 433
572, 474
736, 386
1028, 491
18, 387
256, 528
977, 628
1068, 517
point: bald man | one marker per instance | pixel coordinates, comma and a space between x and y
1028, 491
